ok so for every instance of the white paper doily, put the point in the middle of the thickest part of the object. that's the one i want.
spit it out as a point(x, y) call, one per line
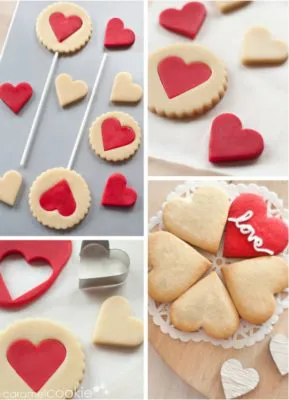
point(247, 334)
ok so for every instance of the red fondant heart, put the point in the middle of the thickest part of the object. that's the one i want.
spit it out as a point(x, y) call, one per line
point(118, 36)
point(177, 77)
point(114, 135)
point(229, 142)
point(63, 27)
point(272, 231)
point(15, 97)
point(59, 197)
point(116, 193)
point(187, 21)
point(36, 364)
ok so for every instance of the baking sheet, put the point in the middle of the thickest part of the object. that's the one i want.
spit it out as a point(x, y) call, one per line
point(25, 59)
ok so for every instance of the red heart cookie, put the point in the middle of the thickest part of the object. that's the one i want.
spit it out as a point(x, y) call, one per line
point(59, 197)
point(250, 232)
point(63, 27)
point(118, 36)
point(229, 142)
point(15, 97)
point(114, 135)
point(177, 77)
point(187, 21)
point(116, 193)
point(36, 364)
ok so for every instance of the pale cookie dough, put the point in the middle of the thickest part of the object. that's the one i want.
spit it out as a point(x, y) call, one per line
point(69, 91)
point(175, 266)
point(65, 380)
point(124, 90)
point(206, 305)
point(74, 42)
point(231, 5)
point(259, 48)
point(10, 185)
point(252, 285)
point(115, 326)
point(199, 220)
point(117, 134)
point(79, 189)
point(193, 101)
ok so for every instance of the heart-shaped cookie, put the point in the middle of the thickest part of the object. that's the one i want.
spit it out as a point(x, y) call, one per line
point(69, 91)
point(59, 197)
point(115, 135)
point(199, 220)
point(115, 326)
point(64, 26)
point(175, 266)
point(206, 305)
point(15, 97)
point(124, 90)
point(116, 35)
point(279, 351)
point(252, 285)
point(10, 185)
point(116, 192)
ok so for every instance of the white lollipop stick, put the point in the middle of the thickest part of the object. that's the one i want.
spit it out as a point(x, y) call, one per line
point(38, 112)
point(86, 114)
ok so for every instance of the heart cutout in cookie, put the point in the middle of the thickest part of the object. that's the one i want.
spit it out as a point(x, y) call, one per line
point(279, 351)
point(187, 21)
point(116, 35)
point(59, 197)
point(124, 90)
point(10, 185)
point(236, 380)
point(114, 135)
point(115, 326)
point(15, 97)
point(116, 192)
point(36, 364)
point(64, 27)
point(69, 91)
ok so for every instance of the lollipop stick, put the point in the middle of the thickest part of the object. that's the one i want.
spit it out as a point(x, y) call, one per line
point(38, 112)
point(86, 114)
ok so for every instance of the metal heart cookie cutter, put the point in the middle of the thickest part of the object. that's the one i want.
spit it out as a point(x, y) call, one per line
point(102, 266)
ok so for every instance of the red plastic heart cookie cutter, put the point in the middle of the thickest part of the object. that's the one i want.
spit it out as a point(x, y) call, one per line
point(15, 97)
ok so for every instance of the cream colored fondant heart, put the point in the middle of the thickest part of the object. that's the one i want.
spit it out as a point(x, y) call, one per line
point(260, 48)
point(199, 220)
point(115, 326)
point(228, 6)
point(10, 185)
point(69, 91)
point(124, 90)
point(279, 352)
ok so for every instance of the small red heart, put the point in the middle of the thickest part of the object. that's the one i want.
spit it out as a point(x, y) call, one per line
point(59, 197)
point(116, 193)
point(177, 77)
point(15, 97)
point(229, 142)
point(118, 36)
point(114, 135)
point(187, 21)
point(36, 364)
point(63, 27)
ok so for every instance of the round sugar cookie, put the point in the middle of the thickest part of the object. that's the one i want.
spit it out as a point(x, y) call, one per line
point(59, 198)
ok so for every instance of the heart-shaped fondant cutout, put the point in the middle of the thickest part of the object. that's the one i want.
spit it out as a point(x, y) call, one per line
point(116, 35)
point(229, 142)
point(36, 364)
point(279, 351)
point(186, 21)
point(59, 197)
point(116, 192)
point(114, 135)
point(10, 185)
point(63, 27)
point(250, 232)
point(15, 97)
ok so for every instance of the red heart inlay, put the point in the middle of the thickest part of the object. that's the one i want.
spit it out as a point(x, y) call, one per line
point(59, 197)
point(63, 27)
point(36, 364)
point(273, 232)
point(116, 193)
point(15, 97)
point(186, 21)
point(118, 36)
point(177, 77)
point(229, 142)
point(115, 135)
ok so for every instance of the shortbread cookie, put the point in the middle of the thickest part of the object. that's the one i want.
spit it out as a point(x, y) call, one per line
point(259, 48)
point(185, 80)
point(15, 97)
point(252, 285)
point(206, 305)
point(10, 185)
point(199, 220)
point(175, 266)
point(115, 326)
point(69, 91)
point(59, 198)
point(115, 136)
point(226, 6)
point(124, 90)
